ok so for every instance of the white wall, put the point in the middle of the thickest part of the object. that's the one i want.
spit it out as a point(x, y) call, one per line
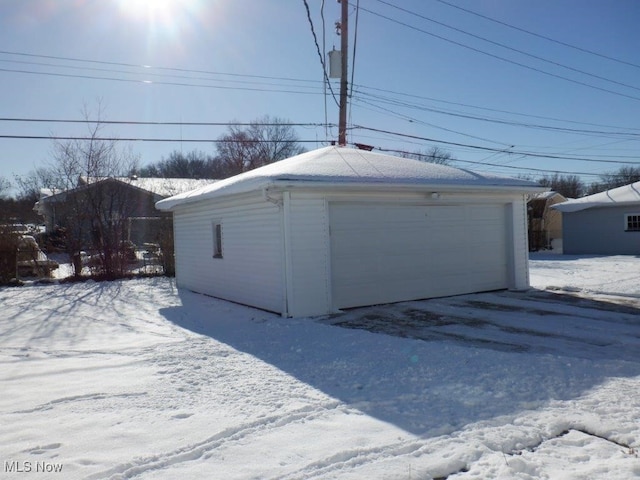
point(520, 245)
point(251, 270)
point(309, 240)
point(308, 243)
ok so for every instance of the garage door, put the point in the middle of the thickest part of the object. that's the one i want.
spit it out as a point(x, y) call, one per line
point(382, 253)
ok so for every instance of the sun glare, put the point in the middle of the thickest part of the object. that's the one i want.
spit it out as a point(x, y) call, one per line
point(146, 8)
point(159, 13)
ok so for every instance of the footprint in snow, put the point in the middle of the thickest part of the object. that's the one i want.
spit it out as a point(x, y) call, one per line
point(180, 416)
point(43, 449)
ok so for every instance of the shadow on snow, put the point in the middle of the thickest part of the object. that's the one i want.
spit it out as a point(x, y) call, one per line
point(431, 367)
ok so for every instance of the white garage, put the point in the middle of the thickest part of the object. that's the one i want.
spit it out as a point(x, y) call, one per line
point(338, 228)
point(383, 253)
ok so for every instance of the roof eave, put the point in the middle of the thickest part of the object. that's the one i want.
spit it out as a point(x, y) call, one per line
point(169, 205)
point(566, 207)
point(405, 186)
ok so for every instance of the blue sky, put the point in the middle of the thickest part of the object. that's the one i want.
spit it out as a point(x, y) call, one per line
point(425, 72)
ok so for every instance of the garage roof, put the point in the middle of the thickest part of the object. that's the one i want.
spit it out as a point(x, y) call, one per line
point(342, 166)
point(625, 195)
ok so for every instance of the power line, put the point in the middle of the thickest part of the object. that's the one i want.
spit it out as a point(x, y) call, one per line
point(357, 127)
point(135, 122)
point(634, 136)
point(555, 119)
point(162, 75)
point(361, 91)
point(150, 82)
point(315, 40)
point(151, 67)
point(421, 122)
point(498, 165)
point(503, 59)
point(355, 44)
point(529, 32)
point(490, 149)
point(502, 45)
point(139, 139)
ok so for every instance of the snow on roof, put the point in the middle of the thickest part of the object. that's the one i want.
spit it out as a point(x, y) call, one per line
point(166, 187)
point(545, 195)
point(163, 187)
point(625, 195)
point(333, 166)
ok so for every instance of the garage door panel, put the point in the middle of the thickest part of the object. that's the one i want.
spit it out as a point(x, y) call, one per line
point(383, 253)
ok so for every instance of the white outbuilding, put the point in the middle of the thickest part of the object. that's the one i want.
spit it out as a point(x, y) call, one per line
point(337, 227)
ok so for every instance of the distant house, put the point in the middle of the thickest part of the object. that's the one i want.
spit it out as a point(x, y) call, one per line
point(606, 223)
point(130, 197)
point(338, 227)
point(545, 223)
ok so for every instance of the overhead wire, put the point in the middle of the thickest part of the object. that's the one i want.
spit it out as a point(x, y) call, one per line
point(466, 105)
point(490, 149)
point(152, 82)
point(147, 67)
point(355, 44)
point(235, 80)
point(502, 45)
point(361, 88)
point(398, 103)
point(529, 32)
point(322, 62)
point(533, 169)
point(498, 57)
point(140, 139)
point(182, 123)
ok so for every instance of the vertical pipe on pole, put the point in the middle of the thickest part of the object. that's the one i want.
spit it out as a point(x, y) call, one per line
point(344, 45)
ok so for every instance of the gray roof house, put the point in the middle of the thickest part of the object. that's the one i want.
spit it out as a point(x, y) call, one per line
point(338, 227)
point(137, 196)
point(606, 223)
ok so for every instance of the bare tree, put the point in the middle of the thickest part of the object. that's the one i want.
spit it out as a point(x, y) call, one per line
point(93, 208)
point(195, 164)
point(569, 186)
point(31, 185)
point(264, 141)
point(434, 154)
point(5, 186)
point(623, 176)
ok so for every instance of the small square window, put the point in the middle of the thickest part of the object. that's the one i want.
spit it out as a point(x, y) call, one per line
point(217, 240)
point(632, 222)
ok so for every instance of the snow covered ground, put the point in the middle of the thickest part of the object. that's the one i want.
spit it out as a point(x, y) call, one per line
point(136, 379)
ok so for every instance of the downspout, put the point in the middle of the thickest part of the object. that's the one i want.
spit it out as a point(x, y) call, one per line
point(286, 244)
point(285, 227)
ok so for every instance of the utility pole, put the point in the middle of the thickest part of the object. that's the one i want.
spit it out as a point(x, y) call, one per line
point(344, 45)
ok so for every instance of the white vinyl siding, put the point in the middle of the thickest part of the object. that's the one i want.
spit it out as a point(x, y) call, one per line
point(250, 271)
point(307, 253)
point(383, 253)
point(518, 244)
point(308, 245)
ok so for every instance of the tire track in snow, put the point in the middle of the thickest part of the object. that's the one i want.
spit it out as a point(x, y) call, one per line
point(227, 436)
point(79, 398)
point(406, 451)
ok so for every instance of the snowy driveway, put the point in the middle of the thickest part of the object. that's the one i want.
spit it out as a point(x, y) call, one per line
point(137, 379)
point(528, 322)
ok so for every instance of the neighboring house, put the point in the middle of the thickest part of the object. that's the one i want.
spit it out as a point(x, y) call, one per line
point(337, 227)
point(130, 197)
point(606, 223)
point(545, 223)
